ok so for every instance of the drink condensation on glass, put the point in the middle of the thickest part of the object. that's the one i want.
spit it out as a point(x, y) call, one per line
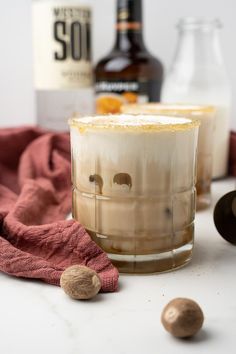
point(134, 187)
point(206, 116)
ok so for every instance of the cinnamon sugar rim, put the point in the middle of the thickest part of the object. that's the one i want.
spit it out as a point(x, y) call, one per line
point(133, 122)
point(167, 108)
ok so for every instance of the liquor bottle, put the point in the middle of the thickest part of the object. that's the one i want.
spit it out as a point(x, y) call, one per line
point(198, 76)
point(129, 74)
point(62, 61)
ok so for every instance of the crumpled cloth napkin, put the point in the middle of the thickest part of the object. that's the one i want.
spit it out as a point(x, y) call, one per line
point(35, 196)
point(232, 154)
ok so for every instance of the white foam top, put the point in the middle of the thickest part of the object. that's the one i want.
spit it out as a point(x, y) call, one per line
point(143, 122)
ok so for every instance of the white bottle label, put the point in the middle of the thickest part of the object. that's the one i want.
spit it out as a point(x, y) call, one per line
point(62, 46)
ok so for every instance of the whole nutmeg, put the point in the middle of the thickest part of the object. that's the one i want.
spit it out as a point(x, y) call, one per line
point(80, 282)
point(182, 317)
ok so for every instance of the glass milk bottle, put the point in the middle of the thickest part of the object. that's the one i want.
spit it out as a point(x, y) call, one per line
point(62, 60)
point(198, 76)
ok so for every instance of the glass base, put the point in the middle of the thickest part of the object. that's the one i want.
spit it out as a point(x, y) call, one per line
point(203, 193)
point(154, 263)
point(203, 201)
point(149, 262)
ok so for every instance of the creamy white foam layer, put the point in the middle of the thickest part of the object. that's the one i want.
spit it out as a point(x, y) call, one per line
point(157, 161)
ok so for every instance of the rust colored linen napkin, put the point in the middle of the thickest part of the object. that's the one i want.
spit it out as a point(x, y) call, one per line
point(232, 154)
point(35, 196)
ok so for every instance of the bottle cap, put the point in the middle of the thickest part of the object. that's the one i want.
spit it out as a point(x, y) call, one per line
point(129, 11)
point(225, 217)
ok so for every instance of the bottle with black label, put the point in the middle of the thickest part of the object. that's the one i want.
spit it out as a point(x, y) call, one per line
point(129, 74)
point(62, 61)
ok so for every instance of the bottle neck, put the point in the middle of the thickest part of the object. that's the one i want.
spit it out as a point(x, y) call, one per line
point(199, 47)
point(129, 34)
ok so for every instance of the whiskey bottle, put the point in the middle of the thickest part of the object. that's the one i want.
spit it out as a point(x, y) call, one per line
point(62, 61)
point(129, 74)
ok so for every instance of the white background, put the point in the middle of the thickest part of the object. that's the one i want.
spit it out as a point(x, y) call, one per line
point(17, 104)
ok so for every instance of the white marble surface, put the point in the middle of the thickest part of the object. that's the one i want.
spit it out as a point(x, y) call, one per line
point(36, 318)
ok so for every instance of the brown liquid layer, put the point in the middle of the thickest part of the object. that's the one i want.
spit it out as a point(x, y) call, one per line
point(155, 266)
point(146, 245)
point(165, 259)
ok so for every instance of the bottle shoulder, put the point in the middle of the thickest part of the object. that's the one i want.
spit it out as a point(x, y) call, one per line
point(118, 61)
point(132, 56)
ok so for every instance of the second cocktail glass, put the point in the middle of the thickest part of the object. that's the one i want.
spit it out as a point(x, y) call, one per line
point(206, 116)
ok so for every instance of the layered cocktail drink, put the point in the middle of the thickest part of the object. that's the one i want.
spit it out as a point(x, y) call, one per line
point(134, 187)
point(206, 115)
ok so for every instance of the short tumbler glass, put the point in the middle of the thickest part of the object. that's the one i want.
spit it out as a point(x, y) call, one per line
point(134, 187)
